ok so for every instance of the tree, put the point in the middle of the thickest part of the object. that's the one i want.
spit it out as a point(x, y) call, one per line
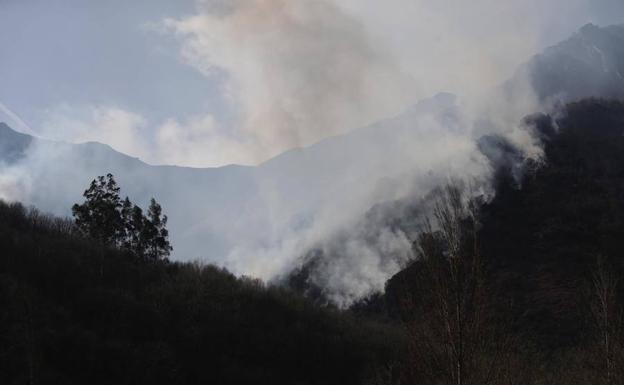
point(607, 315)
point(105, 217)
point(452, 340)
point(126, 217)
point(134, 228)
point(155, 233)
point(99, 217)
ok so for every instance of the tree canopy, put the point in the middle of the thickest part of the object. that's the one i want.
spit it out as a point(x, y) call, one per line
point(105, 217)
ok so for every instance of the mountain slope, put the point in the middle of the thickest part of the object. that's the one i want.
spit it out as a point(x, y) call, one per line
point(542, 239)
point(589, 64)
point(262, 220)
point(76, 312)
point(13, 145)
point(255, 220)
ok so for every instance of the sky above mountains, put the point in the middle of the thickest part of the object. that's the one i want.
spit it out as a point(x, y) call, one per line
point(213, 82)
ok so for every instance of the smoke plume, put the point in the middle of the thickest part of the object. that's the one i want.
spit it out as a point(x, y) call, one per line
point(312, 77)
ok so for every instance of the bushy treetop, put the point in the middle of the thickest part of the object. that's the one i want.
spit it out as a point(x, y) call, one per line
point(104, 216)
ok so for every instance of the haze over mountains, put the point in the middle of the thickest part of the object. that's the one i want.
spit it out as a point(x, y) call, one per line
point(591, 63)
point(263, 220)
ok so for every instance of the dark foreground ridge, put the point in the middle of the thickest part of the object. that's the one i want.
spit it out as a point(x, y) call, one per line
point(552, 246)
point(77, 313)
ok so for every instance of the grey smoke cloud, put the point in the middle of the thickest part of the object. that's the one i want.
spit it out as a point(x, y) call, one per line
point(276, 74)
point(296, 72)
point(300, 71)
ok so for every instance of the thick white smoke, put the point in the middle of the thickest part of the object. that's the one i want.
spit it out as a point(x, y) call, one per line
point(298, 72)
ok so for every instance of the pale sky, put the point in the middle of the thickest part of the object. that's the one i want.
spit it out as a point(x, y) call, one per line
point(212, 82)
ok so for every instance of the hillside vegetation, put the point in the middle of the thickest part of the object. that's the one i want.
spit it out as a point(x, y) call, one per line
point(77, 312)
point(523, 288)
point(547, 305)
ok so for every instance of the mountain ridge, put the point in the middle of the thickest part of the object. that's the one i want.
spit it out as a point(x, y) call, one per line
point(263, 219)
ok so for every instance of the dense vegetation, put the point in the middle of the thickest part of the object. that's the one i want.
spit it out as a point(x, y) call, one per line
point(521, 289)
point(109, 220)
point(549, 303)
point(77, 312)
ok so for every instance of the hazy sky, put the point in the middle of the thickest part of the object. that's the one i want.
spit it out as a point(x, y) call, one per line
point(206, 83)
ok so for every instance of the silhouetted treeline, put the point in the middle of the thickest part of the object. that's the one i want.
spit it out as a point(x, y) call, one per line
point(523, 289)
point(106, 218)
point(75, 312)
point(544, 237)
point(548, 304)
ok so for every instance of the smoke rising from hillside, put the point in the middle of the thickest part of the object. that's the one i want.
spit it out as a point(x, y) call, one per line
point(297, 72)
point(302, 71)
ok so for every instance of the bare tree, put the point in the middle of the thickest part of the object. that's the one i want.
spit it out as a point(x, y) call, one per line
point(607, 316)
point(451, 340)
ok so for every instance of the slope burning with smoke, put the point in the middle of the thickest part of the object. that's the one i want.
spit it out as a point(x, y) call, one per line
point(305, 80)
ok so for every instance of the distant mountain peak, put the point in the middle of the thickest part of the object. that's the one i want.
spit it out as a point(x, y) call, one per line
point(13, 144)
point(5, 129)
point(588, 28)
point(437, 104)
point(588, 64)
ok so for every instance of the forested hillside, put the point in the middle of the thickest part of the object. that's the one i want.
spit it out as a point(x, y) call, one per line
point(549, 298)
point(546, 238)
point(77, 312)
point(523, 288)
